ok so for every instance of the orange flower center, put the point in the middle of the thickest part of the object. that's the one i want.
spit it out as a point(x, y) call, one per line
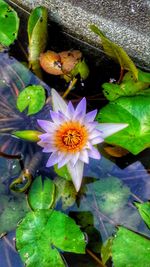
point(71, 137)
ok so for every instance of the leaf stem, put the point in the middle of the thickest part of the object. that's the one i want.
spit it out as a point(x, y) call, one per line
point(121, 75)
point(71, 85)
point(95, 258)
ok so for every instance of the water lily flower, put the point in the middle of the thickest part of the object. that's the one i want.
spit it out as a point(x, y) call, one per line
point(71, 136)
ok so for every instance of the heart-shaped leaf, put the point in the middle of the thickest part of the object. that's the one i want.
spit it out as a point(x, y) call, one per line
point(144, 210)
point(130, 249)
point(32, 97)
point(116, 52)
point(136, 112)
point(42, 234)
point(41, 194)
point(9, 24)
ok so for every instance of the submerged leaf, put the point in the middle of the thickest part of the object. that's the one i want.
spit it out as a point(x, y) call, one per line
point(130, 249)
point(32, 97)
point(144, 210)
point(9, 24)
point(12, 209)
point(136, 112)
point(42, 234)
point(111, 194)
point(41, 194)
point(116, 52)
point(37, 35)
point(65, 191)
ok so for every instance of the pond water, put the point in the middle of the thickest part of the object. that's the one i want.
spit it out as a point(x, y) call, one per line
point(110, 185)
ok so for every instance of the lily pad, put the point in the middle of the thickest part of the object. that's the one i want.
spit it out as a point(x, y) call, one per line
point(9, 24)
point(144, 210)
point(136, 112)
point(106, 252)
point(116, 52)
point(42, 234)
point(128, 87)
point(111, 194)
point(41, 194)
point(32, 97)
point(130, 249)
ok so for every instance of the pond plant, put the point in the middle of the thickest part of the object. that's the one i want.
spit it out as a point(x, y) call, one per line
point(67, 189)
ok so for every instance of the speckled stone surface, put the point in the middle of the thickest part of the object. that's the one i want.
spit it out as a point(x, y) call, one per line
point(126, 22)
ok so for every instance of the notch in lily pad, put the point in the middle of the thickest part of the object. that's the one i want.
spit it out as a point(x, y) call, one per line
point(32, 97)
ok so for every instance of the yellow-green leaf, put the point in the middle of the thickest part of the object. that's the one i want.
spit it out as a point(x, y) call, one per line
point(37, 35)
point(116, 52)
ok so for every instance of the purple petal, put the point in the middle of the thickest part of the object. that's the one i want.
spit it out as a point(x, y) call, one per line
point(80, 109)
point(84, 156)
point(90, 116)
point(91, 126)
point(49, 148)
point(47, 126)
point(46, 137)
point(97, 140)
point(53, 159)
point(58, 103)
point(94, 133)
point(110, 128)
point(76, 173)
point(64, 160)
point(94, 153)
point(70, 110)
point(75, 158)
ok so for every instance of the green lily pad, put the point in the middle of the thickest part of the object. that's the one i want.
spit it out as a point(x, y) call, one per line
point(42, 234)
point(130, 249)
point(37, 35)
point(144, 210)
point(111, 194)
point(41, 194)
point(116, 52)
point(32, 97)
point(9, 24)
point(128, 87)
point(63, 172)
point(136, 112)
point(82, 69)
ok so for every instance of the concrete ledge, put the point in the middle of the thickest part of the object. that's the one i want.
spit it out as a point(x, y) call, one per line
point(126, 22)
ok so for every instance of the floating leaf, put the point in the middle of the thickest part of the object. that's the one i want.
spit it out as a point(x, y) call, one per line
point(9, 24)
point(41, 194)
point(116, 52)
point(130, 249)
point(106, 252)
point(128, 87)
point(144, 210)
point(65, 191)
point(143, 76)
point(63, 172)
point(37, 35)
point(111, 194)
point(32, 97)
point(136, 112)
point(42, 234)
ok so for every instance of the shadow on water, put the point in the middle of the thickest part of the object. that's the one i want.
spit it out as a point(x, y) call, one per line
point(110, 187)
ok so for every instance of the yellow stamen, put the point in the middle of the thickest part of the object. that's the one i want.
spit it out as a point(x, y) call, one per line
point(71, 137)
